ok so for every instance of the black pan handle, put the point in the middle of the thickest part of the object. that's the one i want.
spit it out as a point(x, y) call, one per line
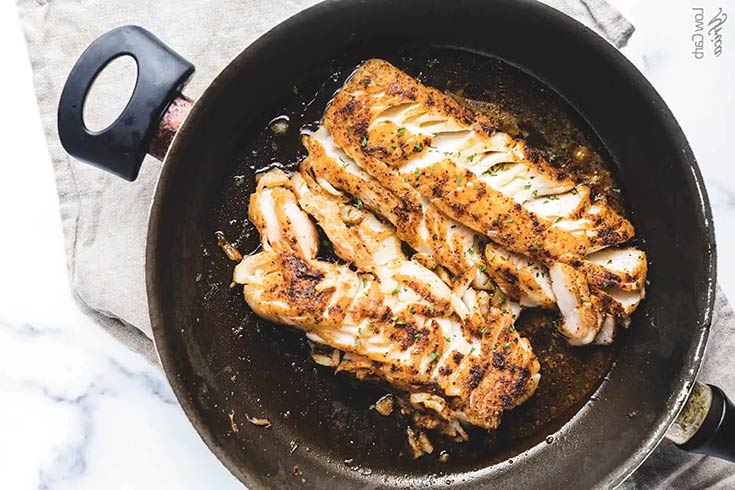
point(121, 147)
point(706, 425)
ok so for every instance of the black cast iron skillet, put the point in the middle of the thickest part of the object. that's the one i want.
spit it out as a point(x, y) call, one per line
point(220, 362)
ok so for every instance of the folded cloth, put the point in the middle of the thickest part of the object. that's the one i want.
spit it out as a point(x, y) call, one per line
point(105, 219)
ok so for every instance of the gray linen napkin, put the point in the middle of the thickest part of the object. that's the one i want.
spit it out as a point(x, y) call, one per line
point(105, 219)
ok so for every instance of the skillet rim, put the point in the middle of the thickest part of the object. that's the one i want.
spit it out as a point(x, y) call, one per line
point(690, 369)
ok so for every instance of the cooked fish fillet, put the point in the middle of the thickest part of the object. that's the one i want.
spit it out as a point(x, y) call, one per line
point(616, 306)
point(625, 268)
point(609, 299)
point(579, 308)
point(520, 276)
point(437, 239)
point(590, 315)
point(397, 128)
point(449, 243)
point(413, 139)
point(606, 335)
point(360, 238)
point(400, 322)
point(356, 235)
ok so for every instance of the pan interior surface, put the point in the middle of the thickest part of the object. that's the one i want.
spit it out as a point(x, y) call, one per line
point(227, 365)
point(331, 411)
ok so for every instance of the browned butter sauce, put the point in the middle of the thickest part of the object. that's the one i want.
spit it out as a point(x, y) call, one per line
point(337, 405)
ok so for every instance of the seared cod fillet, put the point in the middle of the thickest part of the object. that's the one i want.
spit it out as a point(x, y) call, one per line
point(397, 128)
point(439, 240)
point(394, 318)
point(425, 148)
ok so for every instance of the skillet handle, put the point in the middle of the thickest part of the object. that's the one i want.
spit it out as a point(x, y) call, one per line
point(121, 147)
point(706, 425)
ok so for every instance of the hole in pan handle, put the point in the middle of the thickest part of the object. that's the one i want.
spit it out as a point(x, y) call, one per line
point(121, 147)
point(706, 424)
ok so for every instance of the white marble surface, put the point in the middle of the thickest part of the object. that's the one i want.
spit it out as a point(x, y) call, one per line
point(79, 411)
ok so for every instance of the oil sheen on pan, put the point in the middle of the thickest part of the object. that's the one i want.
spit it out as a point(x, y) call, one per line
point(332, 411)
